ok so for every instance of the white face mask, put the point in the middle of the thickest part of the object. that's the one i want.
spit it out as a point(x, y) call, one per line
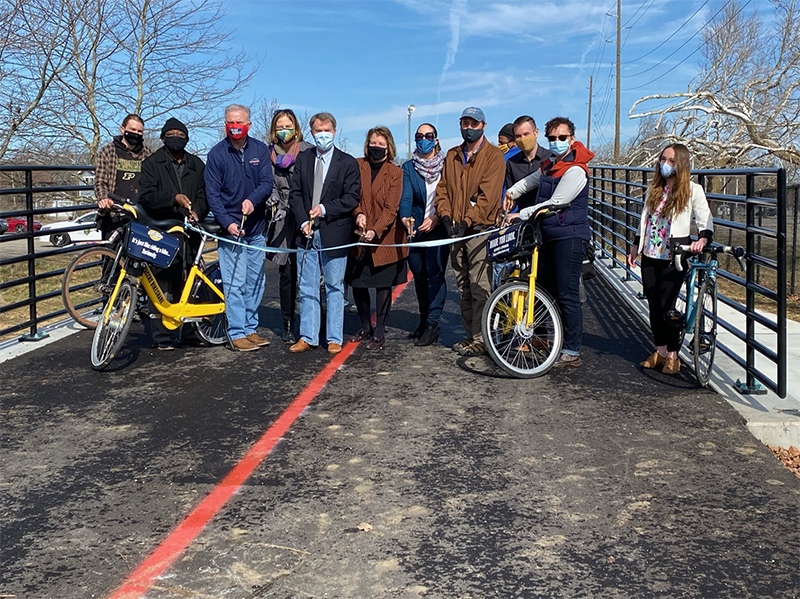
point(667, 170)
point(324, 140)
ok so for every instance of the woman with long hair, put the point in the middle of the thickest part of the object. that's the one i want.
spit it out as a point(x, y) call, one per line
point(671, 200)
point(380, 266)
point(421, 175)
point(286, 142)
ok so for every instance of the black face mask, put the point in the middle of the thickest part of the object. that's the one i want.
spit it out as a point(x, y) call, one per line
point(376, 154)
point(175, 143)
point(471, 135)
point(135, 140)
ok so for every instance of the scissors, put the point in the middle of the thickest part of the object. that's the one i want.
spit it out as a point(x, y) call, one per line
point(241, 227)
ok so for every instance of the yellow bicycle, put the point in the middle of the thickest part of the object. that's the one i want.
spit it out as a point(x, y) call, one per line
point(149, 244)
point(521, 323)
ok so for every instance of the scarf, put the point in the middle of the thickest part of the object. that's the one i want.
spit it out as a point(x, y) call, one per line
point(283, 159)
point(429, 169)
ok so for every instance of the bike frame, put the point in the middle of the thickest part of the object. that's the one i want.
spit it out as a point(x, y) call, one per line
point(709, 269)
point(173, 315)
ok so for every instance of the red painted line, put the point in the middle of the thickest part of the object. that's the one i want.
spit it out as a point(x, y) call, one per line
point(154, 565)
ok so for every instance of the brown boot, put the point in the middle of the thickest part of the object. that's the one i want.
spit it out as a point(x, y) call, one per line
point(654, 361)
point(671, 366)
point(301, 346)
point(244, 344)
point(257, 339)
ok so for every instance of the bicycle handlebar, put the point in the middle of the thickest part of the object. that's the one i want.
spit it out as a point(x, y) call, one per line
point(736, 251)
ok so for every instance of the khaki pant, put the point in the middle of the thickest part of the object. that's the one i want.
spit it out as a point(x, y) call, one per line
point(473, 276)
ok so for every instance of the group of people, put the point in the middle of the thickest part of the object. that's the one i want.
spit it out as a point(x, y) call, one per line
point(307, 201)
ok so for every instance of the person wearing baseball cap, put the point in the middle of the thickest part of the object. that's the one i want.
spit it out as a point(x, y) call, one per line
point(468, 202)
point(171, 186)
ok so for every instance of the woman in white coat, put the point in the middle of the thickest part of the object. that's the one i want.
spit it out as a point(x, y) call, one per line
point(671, 200)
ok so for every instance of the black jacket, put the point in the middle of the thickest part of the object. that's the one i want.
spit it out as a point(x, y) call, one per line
point(158, 186)
point(341, 193)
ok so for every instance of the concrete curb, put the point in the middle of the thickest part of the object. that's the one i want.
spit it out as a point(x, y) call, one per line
point(771, 419)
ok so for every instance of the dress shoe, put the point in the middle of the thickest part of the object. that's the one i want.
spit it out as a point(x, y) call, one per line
point(653, 361)
point(417, 333)
point(244, 344)
point(375, 344)
point(301, 346)
point(429, 336)
point(334, 348)
point(671, 366)
point(288, 334)
point(361, 335)
point(257, 339)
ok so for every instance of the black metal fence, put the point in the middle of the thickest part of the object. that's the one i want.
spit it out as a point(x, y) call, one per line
point(759, 197)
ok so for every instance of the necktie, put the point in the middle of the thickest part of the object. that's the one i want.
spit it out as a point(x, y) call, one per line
point(316, 196)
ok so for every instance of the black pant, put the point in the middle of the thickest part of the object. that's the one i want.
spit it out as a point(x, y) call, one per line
point(661, 282)
point(560, 267)
point(288, 288)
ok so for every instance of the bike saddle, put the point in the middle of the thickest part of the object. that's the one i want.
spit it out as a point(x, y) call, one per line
point(210, 226)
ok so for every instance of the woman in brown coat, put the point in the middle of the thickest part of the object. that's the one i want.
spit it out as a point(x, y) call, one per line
point(379, 267)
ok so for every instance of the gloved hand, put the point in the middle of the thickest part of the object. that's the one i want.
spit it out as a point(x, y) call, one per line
point(448, 225)
point(461, 229)
point(280, 214)
point(271, 201)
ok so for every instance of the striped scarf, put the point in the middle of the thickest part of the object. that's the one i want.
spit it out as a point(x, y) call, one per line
point(430, 169)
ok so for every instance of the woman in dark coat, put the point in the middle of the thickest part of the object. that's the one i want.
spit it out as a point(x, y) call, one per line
point(286, 141)
point(378, 267)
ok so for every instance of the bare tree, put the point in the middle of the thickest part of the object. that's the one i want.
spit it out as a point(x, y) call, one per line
point(262, 116)
point(743, 108)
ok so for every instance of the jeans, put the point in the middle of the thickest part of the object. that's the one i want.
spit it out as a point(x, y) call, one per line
point(560, 266)
point(428, 266)
point(309, 266)
point(243, 278)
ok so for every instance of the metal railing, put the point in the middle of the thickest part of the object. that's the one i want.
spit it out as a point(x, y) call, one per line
point(616, 201)
point(20, 198)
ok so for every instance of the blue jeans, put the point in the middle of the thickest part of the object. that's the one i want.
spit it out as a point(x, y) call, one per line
point(560, 266)
point(428, 266)
point(309, 266)
point(243, 278)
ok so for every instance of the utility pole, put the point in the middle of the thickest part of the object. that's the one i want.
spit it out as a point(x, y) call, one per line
point(589, 118)
point(616, 124)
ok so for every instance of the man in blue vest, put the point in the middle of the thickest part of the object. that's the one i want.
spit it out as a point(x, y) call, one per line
point(563, 183)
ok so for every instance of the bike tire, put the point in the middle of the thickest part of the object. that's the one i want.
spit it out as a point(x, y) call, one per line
point(110, 334)
point(704, 344)
point(213, 329)
point(519, 351)
point(84, 288)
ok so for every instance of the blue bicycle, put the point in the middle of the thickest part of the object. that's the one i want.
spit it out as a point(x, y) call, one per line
point(696, 311)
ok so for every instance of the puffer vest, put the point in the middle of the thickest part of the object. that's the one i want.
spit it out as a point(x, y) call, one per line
point(571, 222)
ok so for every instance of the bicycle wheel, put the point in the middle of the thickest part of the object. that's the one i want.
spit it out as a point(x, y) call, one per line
point(110, 333)
point(85, 286)
point(704, 343)
point(212, 329)
point(522, 351)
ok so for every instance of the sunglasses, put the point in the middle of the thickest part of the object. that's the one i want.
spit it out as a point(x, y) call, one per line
point(420, 136)
point(557, 137)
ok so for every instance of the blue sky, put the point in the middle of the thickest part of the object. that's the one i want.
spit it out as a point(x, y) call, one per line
point(365, 61)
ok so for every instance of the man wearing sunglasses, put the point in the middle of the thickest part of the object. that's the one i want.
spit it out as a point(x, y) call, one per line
point(563, 184)
point(467, 201)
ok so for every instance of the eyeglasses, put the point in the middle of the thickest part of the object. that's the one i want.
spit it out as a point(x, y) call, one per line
point(557, 137)
point(429, 136)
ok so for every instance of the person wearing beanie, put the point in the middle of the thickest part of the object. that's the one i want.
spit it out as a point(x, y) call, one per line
point(172, 186)
point(506, 142)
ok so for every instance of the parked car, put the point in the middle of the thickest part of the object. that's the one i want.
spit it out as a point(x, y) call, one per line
point(3, 225)
point(89, 232)
point(20, 224)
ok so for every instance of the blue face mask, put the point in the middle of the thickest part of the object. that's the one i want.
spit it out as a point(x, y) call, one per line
point(667, 170)
point(559, 147)
point(425, 146)
point(324, 140)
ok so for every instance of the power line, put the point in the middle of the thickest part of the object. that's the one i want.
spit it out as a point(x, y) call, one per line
point(696, 33)
point(691, 54)
point(674, 33)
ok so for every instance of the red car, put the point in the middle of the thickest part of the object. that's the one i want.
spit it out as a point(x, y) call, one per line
point(20, 225)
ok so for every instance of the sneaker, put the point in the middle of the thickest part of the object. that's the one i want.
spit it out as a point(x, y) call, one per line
point(165, 346)
point(476, 348)
point(257, 339)
point(244, 344)
point(461, 346)
point(565, 360)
